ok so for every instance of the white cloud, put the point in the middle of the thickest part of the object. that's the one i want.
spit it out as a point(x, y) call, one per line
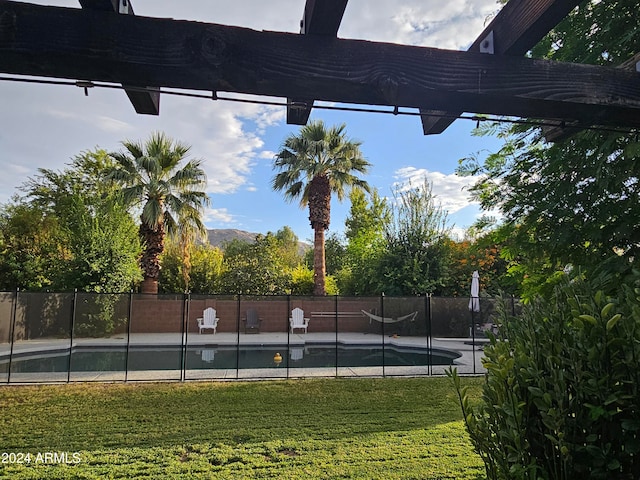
point(268, 154)
point(219, 137)
point(268, 116)
point(105, 123)
point(450, 189)
point(218, 215)
point(453, 24)
point(109, 124)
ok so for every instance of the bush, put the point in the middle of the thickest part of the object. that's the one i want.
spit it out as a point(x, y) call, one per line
point(561, 396)
point(302, 280)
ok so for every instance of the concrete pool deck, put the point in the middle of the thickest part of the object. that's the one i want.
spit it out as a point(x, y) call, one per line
point(469, 362)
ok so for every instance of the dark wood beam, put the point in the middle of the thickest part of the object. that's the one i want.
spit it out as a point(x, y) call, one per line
point(563, 130)
point(102, 5)
point(298, 111)
point(80, 44)
point(322, 18)
point(144, 101)
point(514, 31)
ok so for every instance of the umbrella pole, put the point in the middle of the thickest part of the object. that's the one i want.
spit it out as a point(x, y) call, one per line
point(473, 338)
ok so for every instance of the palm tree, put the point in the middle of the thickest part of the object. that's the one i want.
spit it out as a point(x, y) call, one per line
point(313, 165)
point(190, 229)
point(153, 177)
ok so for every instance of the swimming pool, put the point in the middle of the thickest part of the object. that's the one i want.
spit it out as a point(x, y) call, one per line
point(202, 357)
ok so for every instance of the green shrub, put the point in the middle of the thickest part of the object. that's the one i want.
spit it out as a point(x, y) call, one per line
point(302, 282)
point(561, 396)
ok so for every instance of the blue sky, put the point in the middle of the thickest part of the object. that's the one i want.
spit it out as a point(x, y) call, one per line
point(45, 126)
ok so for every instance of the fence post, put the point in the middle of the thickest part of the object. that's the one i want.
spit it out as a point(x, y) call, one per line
point(12, 330)
point(238, 340)
point(288, 357)
point(383, 333)
point(186, 302)
point(427, 325)
point(335, 311)
point(126, 357)
point(71, 326)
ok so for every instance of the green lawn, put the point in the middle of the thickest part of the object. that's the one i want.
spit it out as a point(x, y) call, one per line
point(329, 428)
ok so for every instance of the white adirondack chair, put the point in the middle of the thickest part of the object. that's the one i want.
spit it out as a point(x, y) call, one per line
point(297, 320)
point(208, 320)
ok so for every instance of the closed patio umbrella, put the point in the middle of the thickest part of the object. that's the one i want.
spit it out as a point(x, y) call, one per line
point(474, 301)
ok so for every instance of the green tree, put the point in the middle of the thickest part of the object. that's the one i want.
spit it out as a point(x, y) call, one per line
point(91, 238)
point(371, 214)
point(153, 177)
point(365, 226)
point(416, 257)
point(101, 235)
point(302, 282)
point(574, 201)
point(255, 268)
point(104, 248)
point(32, 247)
point(289, 246)
point(313, 165)
point(205, 269)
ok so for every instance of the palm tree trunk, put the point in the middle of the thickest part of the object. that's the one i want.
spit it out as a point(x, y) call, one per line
point(149, 285)
point(319, 216)
point(319, 267)
point(153, 241)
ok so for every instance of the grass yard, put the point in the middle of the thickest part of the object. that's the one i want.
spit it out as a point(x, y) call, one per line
point(330, 428)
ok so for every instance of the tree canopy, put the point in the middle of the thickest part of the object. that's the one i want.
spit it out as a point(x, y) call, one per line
point(69, 230)
point(574, 201)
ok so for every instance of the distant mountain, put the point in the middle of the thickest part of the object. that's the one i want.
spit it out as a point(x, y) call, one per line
point(219, 236)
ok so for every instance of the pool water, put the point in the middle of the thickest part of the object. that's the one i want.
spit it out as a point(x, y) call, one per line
point(225, 357)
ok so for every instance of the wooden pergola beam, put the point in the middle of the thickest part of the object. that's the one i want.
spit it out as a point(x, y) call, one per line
point(80, 44)
point(514, 31)
point(145, 101)
point(321, 18)
point(103, 5)
point(563, 130)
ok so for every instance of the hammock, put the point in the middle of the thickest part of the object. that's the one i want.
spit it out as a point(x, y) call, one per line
point(411, 317)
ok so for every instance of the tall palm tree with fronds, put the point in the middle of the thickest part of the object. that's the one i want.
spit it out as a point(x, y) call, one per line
point(170, 192)
point(312, 165)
